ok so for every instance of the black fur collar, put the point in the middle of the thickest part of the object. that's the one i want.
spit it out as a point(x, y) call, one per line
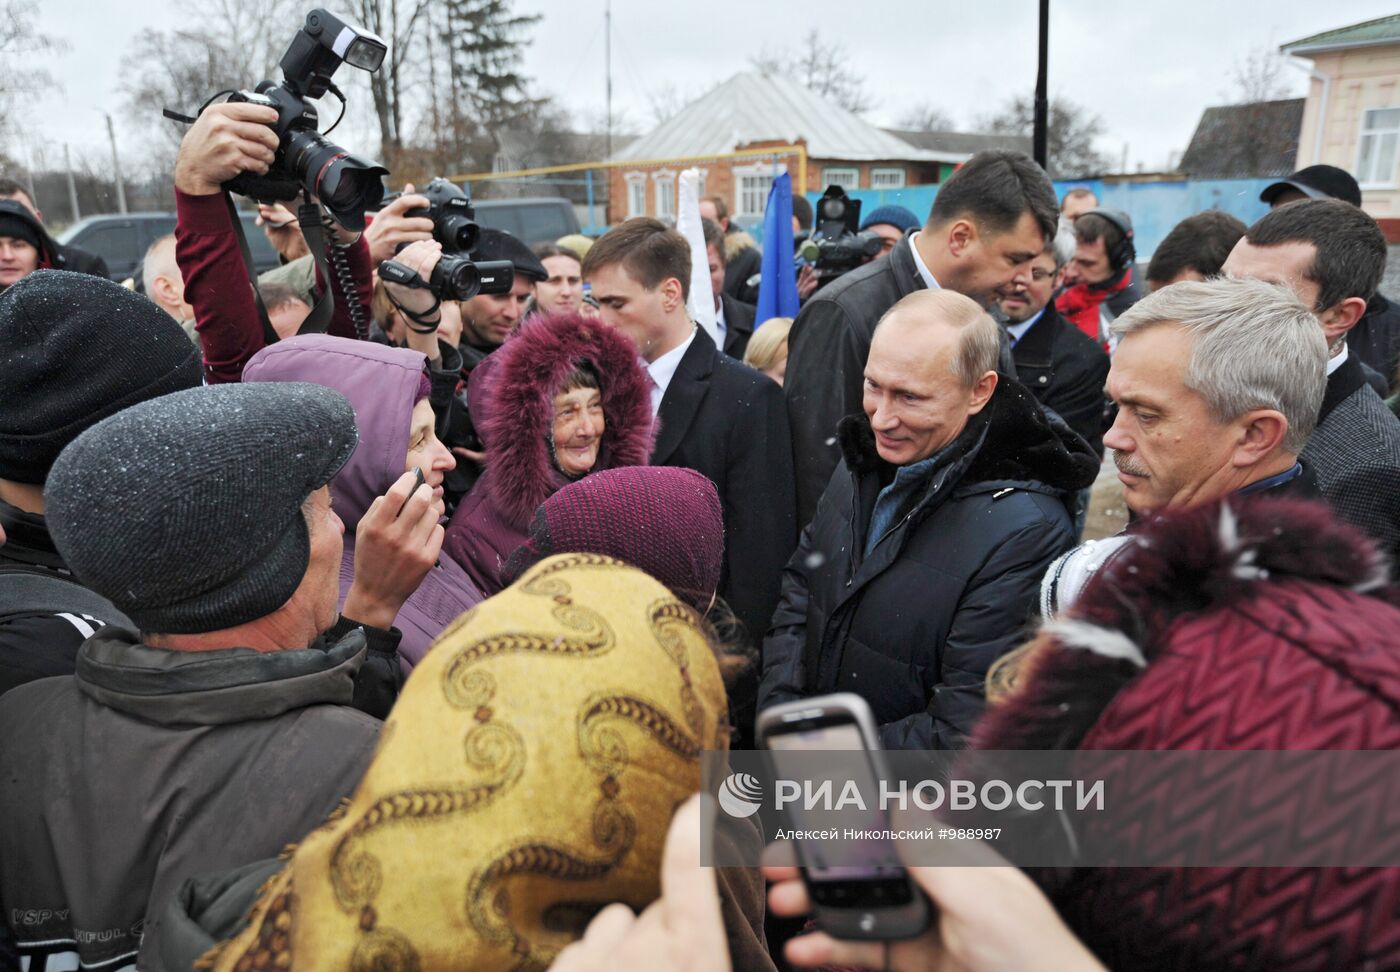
point(1018, 441)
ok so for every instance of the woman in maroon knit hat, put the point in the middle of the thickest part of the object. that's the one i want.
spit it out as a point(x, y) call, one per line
point(567, 397)
point(1239, 625)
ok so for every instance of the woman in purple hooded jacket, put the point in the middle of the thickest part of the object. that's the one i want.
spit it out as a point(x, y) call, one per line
point(566, 396)
point(388, 389)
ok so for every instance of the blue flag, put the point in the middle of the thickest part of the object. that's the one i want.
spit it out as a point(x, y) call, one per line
point(777, 288)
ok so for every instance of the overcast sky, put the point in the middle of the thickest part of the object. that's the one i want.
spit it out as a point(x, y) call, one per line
point(1146, 68)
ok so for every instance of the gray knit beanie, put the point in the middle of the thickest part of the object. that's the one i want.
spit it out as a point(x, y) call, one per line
point(186, 511)
point(75, 349)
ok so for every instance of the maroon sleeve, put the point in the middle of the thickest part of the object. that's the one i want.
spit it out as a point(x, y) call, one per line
point(357, 257)
point(216, 286)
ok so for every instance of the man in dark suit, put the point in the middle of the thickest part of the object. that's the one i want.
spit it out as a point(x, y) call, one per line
point(1332, 254)
point(1063, 367)
point(717, 416)
point(733, 317)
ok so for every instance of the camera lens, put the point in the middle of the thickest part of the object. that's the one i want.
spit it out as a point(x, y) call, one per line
point(455, 232)
point(345, 184)
point(455, 278)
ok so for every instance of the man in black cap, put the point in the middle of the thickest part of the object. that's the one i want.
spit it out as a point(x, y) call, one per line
point(69, 257)
point(1375, 340)
point(74, 349)
point(24, 246)
point(1314, 182)
point(488, 319)
point(224, 729)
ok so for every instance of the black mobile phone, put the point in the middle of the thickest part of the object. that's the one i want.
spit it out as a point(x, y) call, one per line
point(858, 887)
point(417, 481)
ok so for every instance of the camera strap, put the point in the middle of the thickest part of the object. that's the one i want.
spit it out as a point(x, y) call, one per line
point(269, 335)
point(309, 218)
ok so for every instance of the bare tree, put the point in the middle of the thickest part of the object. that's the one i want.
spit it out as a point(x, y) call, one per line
point(1261, 75)
point(20, 42)
point(399, 23)
point(924, 116)
point(1070, 134)
point(667, 99)
point(821, 66)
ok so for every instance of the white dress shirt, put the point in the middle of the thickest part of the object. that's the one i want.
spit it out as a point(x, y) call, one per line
point(663, 369)
point(1334, 363)
point(924, 271)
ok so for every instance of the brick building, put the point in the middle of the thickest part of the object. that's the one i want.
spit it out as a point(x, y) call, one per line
point(754, 111)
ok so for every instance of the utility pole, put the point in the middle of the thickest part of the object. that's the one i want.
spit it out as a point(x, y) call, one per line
point(72, 186)
point(607, 62)
point(1042, 101)
point(116, 165)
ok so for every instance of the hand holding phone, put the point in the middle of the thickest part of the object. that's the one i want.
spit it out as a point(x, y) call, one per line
point(858, 889)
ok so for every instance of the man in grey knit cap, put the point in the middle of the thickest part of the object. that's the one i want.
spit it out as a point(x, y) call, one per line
point(225, 729)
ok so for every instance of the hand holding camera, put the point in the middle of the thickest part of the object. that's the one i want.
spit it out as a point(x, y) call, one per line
point(224, 142)
point(407, 281)
point(394, 227)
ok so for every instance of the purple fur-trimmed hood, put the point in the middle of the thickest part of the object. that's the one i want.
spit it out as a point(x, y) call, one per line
point(529, 370)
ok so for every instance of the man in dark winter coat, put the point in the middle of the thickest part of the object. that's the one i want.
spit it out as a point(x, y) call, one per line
point(989, 221)
point(717, 416)
point(1063, 367)
point(68, 257)
point(1332, 255)
point(74, 349)
point(224, 729)
point(922, 564)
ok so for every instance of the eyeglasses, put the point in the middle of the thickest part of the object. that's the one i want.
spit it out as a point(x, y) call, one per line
point(1040, 276)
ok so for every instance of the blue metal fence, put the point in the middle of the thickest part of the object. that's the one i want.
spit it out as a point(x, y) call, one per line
point(1155, 207)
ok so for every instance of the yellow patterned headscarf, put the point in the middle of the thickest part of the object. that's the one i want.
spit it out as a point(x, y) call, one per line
point(525, 778)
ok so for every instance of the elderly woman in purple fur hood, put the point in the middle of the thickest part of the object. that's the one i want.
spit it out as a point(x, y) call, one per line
point(566, 396)
point(388, 389)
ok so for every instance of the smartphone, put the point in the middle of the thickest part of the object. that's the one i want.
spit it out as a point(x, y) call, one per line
point(417, 481)
point(858, 888)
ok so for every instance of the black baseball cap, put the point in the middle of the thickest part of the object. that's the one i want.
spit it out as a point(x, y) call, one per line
point(1317, 182)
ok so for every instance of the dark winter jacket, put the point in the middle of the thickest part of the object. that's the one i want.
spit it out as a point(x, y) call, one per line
point(827, 348)
point(738, 325)
point(44, 613)
point(81, 261)
point(1355, 454)
point(1065, 370)
point(382, 385)
point(914, 626)
point(149, 767)
point(526, 373)
point(1241, 624)
point(1375, 339)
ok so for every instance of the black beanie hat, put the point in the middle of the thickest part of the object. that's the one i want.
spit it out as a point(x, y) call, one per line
point(74, 349)
point(186, 511)
point(494, 244)
point(19, 229)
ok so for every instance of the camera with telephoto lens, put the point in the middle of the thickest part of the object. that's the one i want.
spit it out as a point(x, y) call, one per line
point(346, 184)
point(454, 220)
point(837, 245)
point(455, 277)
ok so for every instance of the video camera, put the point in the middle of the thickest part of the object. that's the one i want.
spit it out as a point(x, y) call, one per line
point(837, 245)
point(346, 184)
point(455, 277)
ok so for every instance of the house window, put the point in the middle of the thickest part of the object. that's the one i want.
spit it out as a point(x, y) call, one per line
point(1380, 133)
point(665, 195)
point(846, 178)
point(636, 194)
point(752, 197)
point(887, 178)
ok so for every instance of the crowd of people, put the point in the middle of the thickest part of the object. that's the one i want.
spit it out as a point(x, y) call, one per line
point(392, 638)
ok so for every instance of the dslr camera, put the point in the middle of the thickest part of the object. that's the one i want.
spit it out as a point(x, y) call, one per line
point(346, 184)
point(837, 245)
point(456, 276)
